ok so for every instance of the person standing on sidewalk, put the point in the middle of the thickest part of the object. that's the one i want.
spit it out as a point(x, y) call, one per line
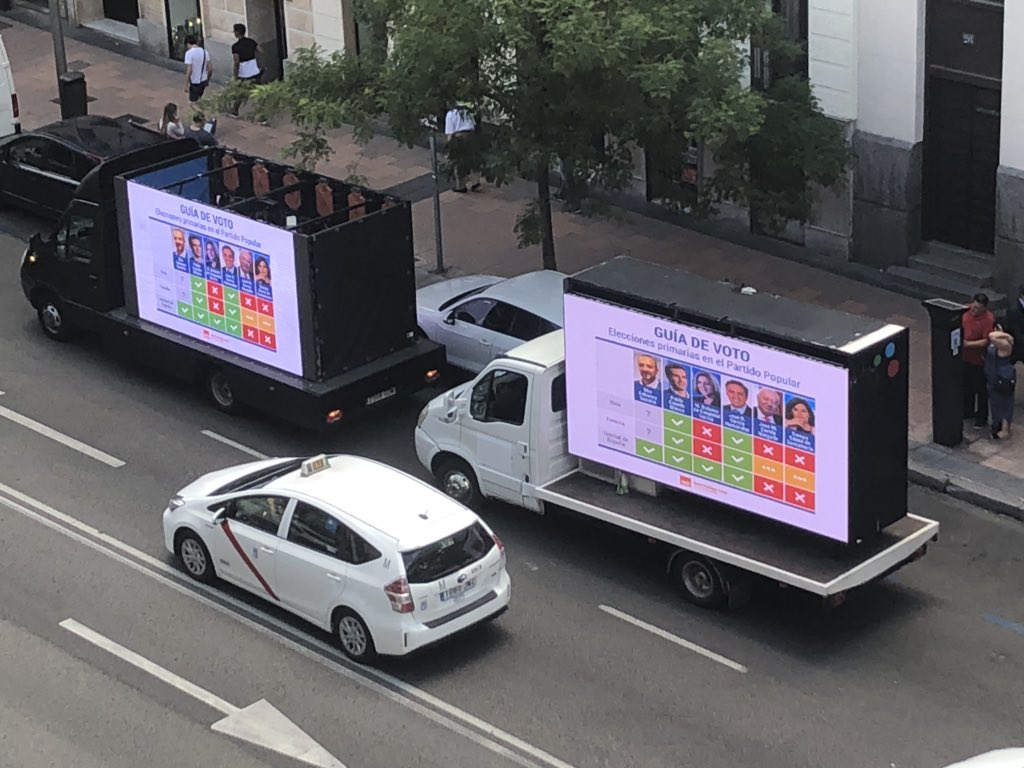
point(198, 69)
point(978, 322)
point(244, 55)
point(1001, 377)
point(463, 150)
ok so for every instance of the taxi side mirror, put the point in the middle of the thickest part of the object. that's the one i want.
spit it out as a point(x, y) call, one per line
point(219, 516)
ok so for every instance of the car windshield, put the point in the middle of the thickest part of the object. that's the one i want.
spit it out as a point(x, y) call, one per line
point(450, 554)
point(261, 477)
point(461, 296)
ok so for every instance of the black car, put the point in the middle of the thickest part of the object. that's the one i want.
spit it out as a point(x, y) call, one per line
point(40, 169)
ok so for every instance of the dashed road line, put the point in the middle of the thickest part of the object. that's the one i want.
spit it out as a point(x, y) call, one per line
point(60, 437)
point(234, 444)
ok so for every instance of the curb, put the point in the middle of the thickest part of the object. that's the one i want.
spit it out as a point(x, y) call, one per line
point(963, 488)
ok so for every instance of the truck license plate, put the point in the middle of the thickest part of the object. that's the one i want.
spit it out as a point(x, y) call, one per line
point(390, 392)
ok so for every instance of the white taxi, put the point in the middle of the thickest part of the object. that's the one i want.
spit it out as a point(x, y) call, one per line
point(382, 560)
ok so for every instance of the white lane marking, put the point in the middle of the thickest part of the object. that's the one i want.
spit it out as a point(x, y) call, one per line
point(261, 723)
point(666, 635)
point(391, 688)
point(236, 445)
point(175, 681)
point(60, 437)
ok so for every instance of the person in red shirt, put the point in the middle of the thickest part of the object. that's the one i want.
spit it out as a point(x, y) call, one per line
point(978, 322)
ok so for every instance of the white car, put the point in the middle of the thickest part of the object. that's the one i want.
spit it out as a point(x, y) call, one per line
point(385, 562)
point(480, 317)
point(1012, 757)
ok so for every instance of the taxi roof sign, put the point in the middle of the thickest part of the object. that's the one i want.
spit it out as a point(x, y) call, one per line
point(313, 465)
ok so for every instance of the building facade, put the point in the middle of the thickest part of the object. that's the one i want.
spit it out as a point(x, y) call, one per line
point(160, 26)
point(933, 103)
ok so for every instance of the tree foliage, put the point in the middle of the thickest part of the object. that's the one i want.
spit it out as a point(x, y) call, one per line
point(576, 85)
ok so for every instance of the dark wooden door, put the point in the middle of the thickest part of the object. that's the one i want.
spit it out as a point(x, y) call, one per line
point(961, 159)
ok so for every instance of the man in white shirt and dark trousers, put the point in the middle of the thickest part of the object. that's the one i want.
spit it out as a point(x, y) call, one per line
point(463, 150)
point(244, 53)
point(198, 69)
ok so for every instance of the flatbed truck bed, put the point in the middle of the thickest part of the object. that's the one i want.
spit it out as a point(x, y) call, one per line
point(754, 546)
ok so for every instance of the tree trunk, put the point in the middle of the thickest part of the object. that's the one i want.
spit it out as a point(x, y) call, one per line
point(547, 232)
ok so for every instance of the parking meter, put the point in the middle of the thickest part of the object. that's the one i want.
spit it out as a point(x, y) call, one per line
point(947, 371)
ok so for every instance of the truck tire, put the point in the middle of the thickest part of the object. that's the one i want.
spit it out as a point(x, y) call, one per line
point(699, 580)
point(457, 479)
point(52, 318)
point(218, 389)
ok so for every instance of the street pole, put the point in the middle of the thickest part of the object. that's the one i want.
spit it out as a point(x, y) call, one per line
point(57, 30)
point(440, 270)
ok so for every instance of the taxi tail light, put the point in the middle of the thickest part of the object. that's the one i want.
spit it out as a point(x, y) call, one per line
point(501, 548)
point(334, 416)
point(400, 596)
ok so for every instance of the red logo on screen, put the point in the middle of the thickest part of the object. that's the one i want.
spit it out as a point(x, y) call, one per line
point(685, 481)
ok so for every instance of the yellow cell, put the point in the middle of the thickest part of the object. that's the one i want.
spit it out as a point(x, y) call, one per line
point(249, 317)
point(266, 324)
point(800, 478)
point(768, 468)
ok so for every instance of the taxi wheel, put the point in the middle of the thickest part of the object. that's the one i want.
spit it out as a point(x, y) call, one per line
point(458, 481)
point(353, 636)
point(195, 558)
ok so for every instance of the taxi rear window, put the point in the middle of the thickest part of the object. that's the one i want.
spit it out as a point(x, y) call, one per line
point(448, 555)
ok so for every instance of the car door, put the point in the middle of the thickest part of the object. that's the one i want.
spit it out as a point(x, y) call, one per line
point(311, 576)
point(76, 242)
point(496, 431)
point(248, 542)
point(462, 334)
point(41, 173)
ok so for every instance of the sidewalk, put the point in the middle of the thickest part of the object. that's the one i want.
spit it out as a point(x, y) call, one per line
point(478, 238)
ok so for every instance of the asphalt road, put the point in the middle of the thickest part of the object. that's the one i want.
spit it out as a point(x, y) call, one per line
point(918, 671)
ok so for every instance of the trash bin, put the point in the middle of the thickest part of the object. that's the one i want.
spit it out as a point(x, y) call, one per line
point(947, 371)
point(73, 96)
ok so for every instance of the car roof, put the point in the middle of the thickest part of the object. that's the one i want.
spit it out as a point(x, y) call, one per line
point(545, 351)
point(100, 136)
point(537, 292)
point(382, 497)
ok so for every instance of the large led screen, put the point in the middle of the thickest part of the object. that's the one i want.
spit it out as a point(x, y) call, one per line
point(740, 423)
point(216, 276)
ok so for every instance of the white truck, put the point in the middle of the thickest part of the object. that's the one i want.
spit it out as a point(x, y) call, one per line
point(505, 435)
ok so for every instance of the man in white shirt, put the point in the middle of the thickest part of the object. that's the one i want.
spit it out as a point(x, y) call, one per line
point(460, 130)
point(198, 69)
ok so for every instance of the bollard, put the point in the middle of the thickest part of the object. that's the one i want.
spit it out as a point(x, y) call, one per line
point(74, 101)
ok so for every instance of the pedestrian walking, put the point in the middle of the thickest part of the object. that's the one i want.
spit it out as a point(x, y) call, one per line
point(168, 124)
point(245, 60)
point(460, 129)
point(1001, 379)
point(977, 322)
point(198, 69)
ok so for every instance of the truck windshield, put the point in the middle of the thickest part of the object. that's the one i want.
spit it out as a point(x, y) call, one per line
point(448, 555)
point(261, 477)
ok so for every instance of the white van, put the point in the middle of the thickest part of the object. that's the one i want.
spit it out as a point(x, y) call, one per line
point(9, 122)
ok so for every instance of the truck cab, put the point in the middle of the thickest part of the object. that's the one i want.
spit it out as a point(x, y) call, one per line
point(505, 432)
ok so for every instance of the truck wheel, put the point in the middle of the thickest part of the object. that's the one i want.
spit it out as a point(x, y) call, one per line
point(52, 319)
point(458, 481)
point(699, 579)
point(219, 389)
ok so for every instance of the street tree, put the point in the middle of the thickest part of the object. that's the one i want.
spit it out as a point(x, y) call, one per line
point(575, 86)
